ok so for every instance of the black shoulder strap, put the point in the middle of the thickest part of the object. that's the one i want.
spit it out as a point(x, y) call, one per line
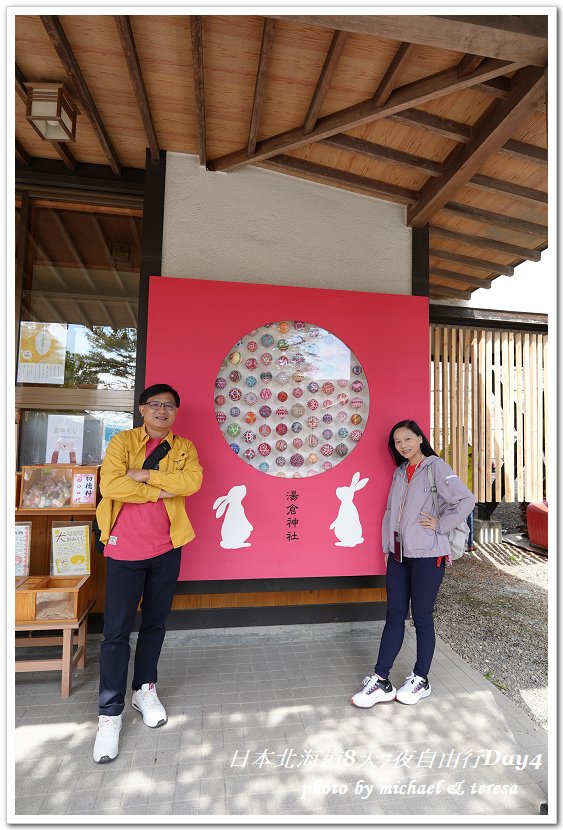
point(153, 460)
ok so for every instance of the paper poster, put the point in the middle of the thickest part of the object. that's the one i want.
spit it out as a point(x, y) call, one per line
point(83, 489)
point(65, 436)
point(42, 353)
point(70, 549)
point(22, 545)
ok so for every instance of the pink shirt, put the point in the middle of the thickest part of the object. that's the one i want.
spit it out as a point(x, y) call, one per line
point(141, 531)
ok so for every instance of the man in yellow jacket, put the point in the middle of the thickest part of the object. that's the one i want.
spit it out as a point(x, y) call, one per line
point(143, 525)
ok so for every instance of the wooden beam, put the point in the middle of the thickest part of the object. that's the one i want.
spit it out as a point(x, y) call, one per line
point(492, 131)
point(80, 311)
point(72, 69)
point(422, 120)
point(481, 241)
point(500, 88)
point(444, 291)
point(50, 265)
point(518, 149)
point(331, 62)
point(72, 248)
point(515, 191)
point(463, 133)
point(21, 88)
point(106, 252)
point(510, 222)
point(380, 153)
point(521, 38)
point(392, 75)
point(469, 64)
point(473, 262)
point(261, 77)
point(123, 24)
point(105, 310)
point(196, 26)
point(454, 275)
point(334, 176)
point(22, 156)
point(56, 314)
point(63, 150)
point(418, 92)
point(132, 316)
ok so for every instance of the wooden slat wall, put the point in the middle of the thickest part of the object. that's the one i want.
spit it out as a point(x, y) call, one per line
point(489, 392)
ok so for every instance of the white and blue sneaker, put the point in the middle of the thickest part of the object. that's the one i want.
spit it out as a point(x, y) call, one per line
point(375, 691)
point(414, 689)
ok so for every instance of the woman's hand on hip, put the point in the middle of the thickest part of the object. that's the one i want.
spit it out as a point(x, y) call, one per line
point(426, 520)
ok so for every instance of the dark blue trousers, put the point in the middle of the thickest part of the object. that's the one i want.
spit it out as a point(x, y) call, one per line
point(155, 580)
point(414, 581)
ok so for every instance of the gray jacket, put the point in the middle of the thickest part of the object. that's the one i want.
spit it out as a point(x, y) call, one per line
point(455, 502)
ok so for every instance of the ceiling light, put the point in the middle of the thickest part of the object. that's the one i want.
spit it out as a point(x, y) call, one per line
point(50, 111)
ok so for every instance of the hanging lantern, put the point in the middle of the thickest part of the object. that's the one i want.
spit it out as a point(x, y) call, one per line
point(50, 111)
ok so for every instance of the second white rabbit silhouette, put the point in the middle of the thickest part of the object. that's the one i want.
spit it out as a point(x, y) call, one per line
point(347, 526)
point(236, 528)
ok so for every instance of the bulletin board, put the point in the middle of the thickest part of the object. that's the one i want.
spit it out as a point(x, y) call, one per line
point(293, 447)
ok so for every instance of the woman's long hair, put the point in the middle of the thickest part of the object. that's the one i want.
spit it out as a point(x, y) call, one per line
point(425, 447)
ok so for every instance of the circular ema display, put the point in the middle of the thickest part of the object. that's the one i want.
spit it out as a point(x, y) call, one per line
point(317, 394)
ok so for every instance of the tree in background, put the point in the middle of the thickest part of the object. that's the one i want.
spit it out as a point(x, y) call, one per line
point(110, 362)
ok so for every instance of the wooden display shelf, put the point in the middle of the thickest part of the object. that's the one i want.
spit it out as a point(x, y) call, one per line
point(69, 659)
point(77, 589)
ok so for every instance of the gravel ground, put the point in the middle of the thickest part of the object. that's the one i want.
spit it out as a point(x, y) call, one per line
point(492, 610)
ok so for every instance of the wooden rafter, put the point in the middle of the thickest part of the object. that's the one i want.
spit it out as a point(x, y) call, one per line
point(489, 135)
point(331, 62)
point(529, 152)
point(21, 88)
point(516, 191)
point(72, 247)
point(418, 92)
point(196, 26)
point(469, 64)
point(53, 311)
point(485, 242)
point(22, 156)
point(500, 88)
point(521, 38)
point(105, 310)
point(63, 150)
point(72, 69)
point(261, 77)
point(50, 265)
point(472, 262)
point(392, 75)
point(422, 120)
point(463, 133)
point(487, 216)
point(131, 56)
point(106, 252)
point(454, 275)
point(378, 152)
point(334, 176)
point(445, 291)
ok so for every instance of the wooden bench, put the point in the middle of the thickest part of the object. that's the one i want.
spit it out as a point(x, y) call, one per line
point(68, 639)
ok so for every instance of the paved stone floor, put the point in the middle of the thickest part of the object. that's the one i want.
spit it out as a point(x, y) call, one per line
point(260, 723)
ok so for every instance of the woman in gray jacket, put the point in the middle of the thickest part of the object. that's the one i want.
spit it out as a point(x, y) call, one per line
point(416, 550)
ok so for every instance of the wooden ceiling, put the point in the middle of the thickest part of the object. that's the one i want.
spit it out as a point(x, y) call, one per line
point(445, 115)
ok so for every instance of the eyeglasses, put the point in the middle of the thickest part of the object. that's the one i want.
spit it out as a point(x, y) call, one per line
point(160, 404)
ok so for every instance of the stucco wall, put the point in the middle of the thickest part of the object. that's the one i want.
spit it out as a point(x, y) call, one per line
point(254, 225)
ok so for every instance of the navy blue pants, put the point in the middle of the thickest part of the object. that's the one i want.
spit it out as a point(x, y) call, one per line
point(155, 580)
point(414, 581)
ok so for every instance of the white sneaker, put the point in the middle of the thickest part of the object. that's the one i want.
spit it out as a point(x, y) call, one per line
point(106, 746)
point(375, 691)
point(145, 700)
point(413, 689)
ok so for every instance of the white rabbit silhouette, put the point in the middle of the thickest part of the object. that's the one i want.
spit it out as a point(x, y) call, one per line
point(347, 526)
point(236, 528)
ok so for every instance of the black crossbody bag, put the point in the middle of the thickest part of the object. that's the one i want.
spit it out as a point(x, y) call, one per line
point(151, 463)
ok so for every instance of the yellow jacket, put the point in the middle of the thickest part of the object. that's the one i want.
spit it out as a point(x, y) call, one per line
point(180, 473)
